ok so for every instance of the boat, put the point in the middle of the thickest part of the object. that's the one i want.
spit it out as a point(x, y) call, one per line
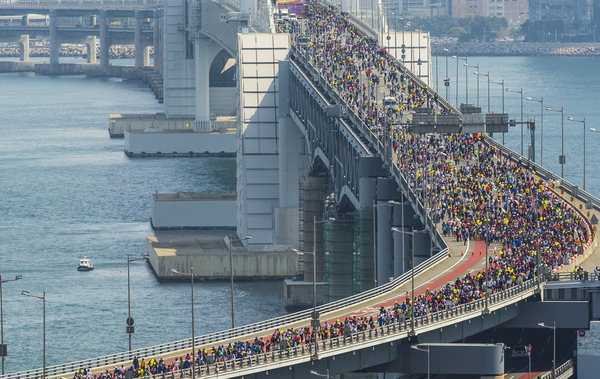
point(85, 264)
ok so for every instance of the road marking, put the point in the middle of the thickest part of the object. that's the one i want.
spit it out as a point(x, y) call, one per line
point(449, 268)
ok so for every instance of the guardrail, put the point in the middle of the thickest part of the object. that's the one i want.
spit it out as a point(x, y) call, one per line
point(563, 371)
point(261, 326)
point(87, 4)
point(358, 340)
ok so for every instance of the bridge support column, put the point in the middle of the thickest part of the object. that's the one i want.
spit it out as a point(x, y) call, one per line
point(137, 40)
point(91, 49)
point(338, 236)
point(146, 56)
point(314, 190)
point(54, 42)
point(25, 20)
point(205, 51)
point(403, 240)
point(24, 48)
point(287, 218)
point(385, 259)
point(104, 40)
point(421, 248)
point(157, 37)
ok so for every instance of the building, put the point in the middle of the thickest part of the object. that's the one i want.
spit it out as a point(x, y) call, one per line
point(514, 11)
point(573, 20)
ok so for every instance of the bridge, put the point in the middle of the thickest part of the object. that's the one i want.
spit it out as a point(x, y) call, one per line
point(94, 22)
point(413, 190)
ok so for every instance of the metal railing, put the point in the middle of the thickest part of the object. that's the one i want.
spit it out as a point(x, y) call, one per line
point(566, 370)
point(81, 4)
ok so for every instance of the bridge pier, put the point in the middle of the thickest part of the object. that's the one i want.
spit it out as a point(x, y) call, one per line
point(205, 52)
point(404, 221)
point(104, 40)
point(137, 40)
point(314, 189)
point(157, 35)
point(54, 41)
point(91, 49)
point(24, 48)
point(338, 236)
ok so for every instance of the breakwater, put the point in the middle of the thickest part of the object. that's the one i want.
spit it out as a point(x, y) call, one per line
point(519, 49)
point(72, 50)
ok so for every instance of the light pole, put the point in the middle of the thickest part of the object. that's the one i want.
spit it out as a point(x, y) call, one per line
point(553, 327)
point(416, 347)
point(43, 298)
point(476, 67)
point(541, 101)
point(447, 79)
point(582, 122)
point(129, 322)
point(562, 159)
point(3, 349)
point(412, 274)
point(502, 84)
point(191, 275)
point(521, 93)
point(326, 375)
point(231, 240)
point(488, 88)
point(457, 59)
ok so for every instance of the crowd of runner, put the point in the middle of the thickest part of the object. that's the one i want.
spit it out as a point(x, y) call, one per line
point(474, 190)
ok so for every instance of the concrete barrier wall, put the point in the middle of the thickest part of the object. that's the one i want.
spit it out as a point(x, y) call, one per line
point(193, 214)
point(182, 142)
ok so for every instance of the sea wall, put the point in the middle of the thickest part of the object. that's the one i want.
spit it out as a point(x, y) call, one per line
point(520, 49)
point(73, 50)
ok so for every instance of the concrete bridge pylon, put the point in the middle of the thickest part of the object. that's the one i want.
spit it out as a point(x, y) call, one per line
point(24, 48)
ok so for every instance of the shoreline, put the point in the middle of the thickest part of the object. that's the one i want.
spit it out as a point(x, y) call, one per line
point(498, 49)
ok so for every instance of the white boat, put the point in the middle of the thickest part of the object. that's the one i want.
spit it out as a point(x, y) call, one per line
point(85, 264)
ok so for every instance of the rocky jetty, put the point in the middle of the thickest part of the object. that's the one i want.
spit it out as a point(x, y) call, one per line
point(72, 50)
point(521, 49)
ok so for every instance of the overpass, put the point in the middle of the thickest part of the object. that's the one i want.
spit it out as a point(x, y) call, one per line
point(345, 150)
point(96, 19)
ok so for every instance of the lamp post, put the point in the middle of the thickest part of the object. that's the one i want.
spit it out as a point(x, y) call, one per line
point(541, 101)
point(521, 93)
point(43, 298)
point(129, 322)
point(412, 274)
point(326, 375)
point(502, 84)
point(416, 347)
point(231, 240)
point(562, 159)
point(582, 122)
point(447, 81)
point(476, 67)
point(553, 327)
point(457, 59)
point(3, 349)
point(191, 275)
point(488, 88)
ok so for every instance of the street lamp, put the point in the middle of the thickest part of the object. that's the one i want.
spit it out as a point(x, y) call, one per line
point(416, 347)
point(488, 88)
point(3, 349)
point(457, 59)
point(231, 240)
point(553, 327)
point(129, 322)
point(326, 375)
point(43, 298)
point(412, 274)
point(541, 101)
point(561, 158)
point(191, 275)
point(583, 123)
point(521, 93)
point(502, 84)
point(447, 79)
point(476, 67)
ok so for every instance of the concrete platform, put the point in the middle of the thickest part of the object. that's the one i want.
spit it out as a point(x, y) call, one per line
point(209, 256)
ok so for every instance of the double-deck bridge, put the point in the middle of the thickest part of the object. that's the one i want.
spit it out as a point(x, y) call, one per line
point(411, 189)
